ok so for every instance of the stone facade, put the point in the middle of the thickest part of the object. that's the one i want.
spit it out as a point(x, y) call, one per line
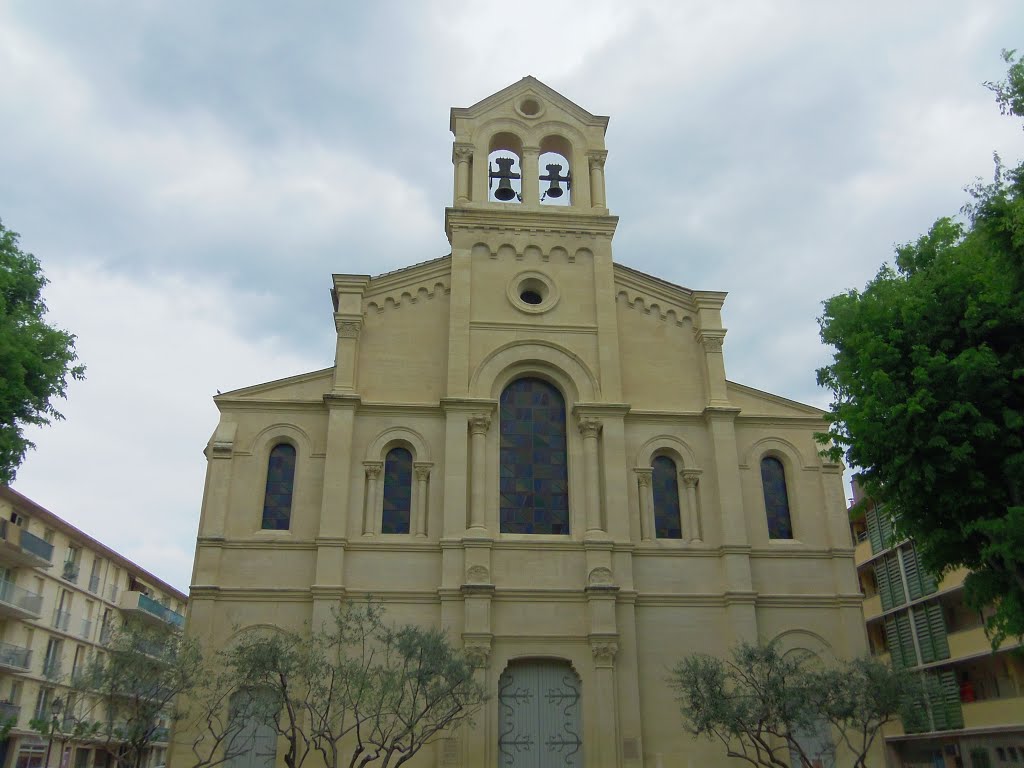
point(424, 355)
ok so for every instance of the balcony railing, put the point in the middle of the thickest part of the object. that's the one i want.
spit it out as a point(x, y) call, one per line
point(52, 667)
point(20, 599)
point(70, 571)
point(9, 712)
point(86, 628)
point(147, 605)
point(62, 620)
point(113, 593)
point(20, 547)
point(94, 583)
point(106, 631)
point(14, 656)
point(32, 543)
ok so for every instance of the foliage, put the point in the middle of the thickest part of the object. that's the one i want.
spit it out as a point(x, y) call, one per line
point(36, 359)
point(766, 707)
point(928, 387)
point(124, 698)
point(357, 692)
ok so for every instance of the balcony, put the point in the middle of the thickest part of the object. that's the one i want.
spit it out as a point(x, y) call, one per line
point(872, 607)
point(18, 602)
point(70, 572)
point(14, 658)
point(21, 548)
point(862, 552)
point(9, 711)
point(86, 628)
point(144, 607)
point(993, 712)
point(94, 583)
point(52, 668)
point(61, 620)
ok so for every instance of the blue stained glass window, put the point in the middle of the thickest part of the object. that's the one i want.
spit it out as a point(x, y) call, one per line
point(665, 484)
point(534, 480)
point(776, 499)
point(277, 501)
point(397, 491)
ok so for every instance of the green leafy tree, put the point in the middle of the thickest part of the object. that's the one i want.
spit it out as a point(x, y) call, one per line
point(36, 359)
point(124, 700)
point(356, 692)
point(928, 387)
point(779, 710)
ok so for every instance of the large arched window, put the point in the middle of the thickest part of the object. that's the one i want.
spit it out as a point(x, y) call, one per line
point(534, 480)
point(397, 491)
point(665, 488)
point(776, 498)
point(277, 501)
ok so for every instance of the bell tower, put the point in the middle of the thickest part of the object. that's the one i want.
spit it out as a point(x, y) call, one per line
point(529, 146)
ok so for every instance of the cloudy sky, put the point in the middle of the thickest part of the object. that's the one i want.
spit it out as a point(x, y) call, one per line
point(191, 173)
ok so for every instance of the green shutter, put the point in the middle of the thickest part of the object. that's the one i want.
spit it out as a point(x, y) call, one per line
point(892, 563)
point(884, 589)
point(892, 640)
point(913, 572)
point(915, 720)
point(906, 639)
point(924, 635)
point(874, 533)
point(951, 700)
point(937, 625)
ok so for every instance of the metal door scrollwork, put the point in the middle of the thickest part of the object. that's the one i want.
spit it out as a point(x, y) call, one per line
point(539, 716)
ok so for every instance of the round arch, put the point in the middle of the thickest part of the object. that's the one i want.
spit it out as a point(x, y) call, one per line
point(387, 439)
point(777, 447)
point(541, 358)
point(667, 445)
point(280, 432)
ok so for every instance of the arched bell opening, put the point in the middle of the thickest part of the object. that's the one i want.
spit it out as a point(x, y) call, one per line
point(555, 177)
point(504, 169)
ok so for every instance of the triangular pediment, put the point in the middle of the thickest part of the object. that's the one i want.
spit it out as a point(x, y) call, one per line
point(309, 387)
point(755, 402)
point(529, 85)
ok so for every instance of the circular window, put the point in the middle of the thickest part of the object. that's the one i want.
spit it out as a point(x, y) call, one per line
point(532, 292)
point(529, 107)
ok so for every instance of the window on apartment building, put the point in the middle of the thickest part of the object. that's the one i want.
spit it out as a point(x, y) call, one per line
point(397, 491)
point(17, 519)
point(82, 757)
point(43, 699)
point(665, 490)
point(14, 696)
point(980, 758)
point(277, 500)
point(78, 665)
point(52, 659)
point(94, 575)
point(776, 498)
point(48, 535)
point(533, 475)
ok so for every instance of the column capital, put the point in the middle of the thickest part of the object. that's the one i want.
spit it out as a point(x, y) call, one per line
point(479, 423)
point(478, 651)
point(597, 158)
point(691, 477)
point(604, 650)
point(531, 151)
point(422, 469)
point(711, 339)
point(348, 327)
point(644, 475)
point(589, 426)
point(373, 468)
point(462, 151)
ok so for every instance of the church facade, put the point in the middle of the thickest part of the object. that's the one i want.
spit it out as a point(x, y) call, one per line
point(536, 449)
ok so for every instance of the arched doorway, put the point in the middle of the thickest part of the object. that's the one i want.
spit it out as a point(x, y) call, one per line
point(539, 723)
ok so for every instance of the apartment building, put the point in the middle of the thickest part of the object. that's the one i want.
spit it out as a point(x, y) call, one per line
point(974, 716)
point(61, 594)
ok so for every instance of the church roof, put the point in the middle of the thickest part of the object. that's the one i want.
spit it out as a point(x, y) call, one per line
point(529, 84)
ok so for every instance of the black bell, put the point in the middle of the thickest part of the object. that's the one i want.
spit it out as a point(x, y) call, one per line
point(554, 190)
point(504, 175)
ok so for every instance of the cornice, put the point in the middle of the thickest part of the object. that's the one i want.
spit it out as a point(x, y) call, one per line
point(526, 85)
point(601, 409)
point(410, 275)
point(232, 405)
point(218, 542)
point(468, 404)
point(536, 327)
point(809, 600)
point(554, 221)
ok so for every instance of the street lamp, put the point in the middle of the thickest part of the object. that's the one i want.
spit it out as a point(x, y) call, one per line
point(55, 707)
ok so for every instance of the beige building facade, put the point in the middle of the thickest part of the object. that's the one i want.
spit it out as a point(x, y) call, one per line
point(537, 449)
point(62, 593)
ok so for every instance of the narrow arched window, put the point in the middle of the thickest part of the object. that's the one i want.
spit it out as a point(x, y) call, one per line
point(665, 487)
point(534, 479)
point(397, 491)
point(776, 498)
point(277, 501)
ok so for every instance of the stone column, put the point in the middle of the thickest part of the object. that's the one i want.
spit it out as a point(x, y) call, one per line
point(478, 425)
point(690, 479)
point(597, 159)
point(347, 295)
point(373, 470)
point(531, 175)
point(604, 650)
point(462, 154)
point(422, 471)
point(590, 428)
point(643, 479)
